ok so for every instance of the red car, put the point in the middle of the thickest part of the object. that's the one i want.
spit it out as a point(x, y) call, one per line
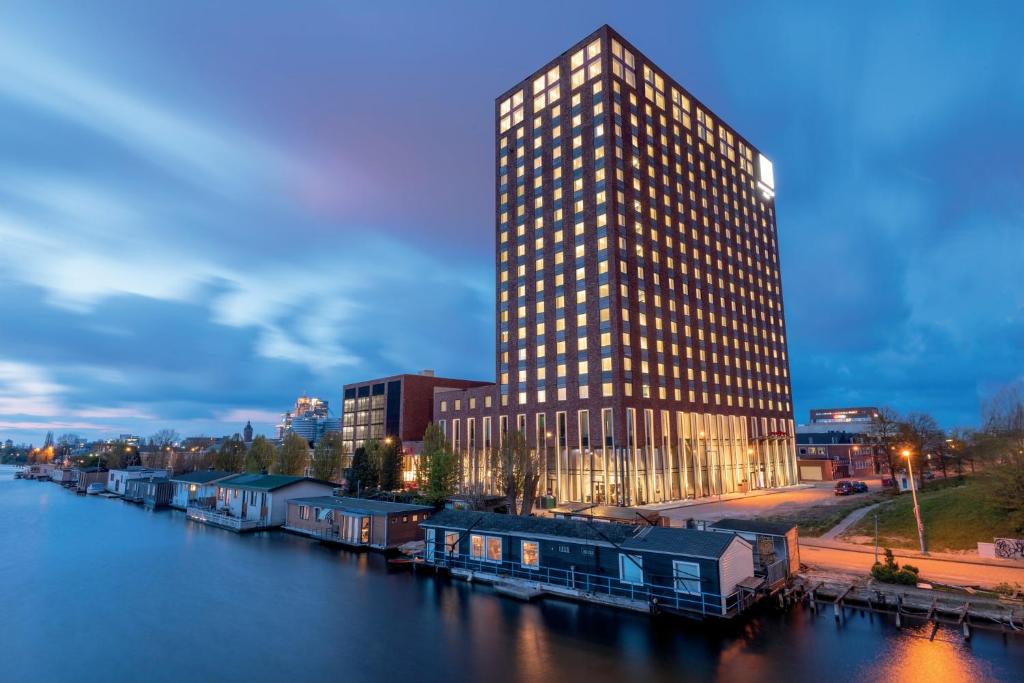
point(844, 488)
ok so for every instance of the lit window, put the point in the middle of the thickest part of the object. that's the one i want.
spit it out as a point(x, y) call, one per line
point(585, 64)
point(654, 86)
point(451, 543)
point(476, 547)
point(531, 554)
point(623, 64)
point(493, 549)
point(511, 111)
point(545, 89)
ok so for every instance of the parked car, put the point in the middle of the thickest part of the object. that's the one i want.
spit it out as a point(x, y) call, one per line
point(844, 488)
point(860, 487)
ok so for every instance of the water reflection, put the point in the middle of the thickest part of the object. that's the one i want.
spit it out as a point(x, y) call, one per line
point(180, 600)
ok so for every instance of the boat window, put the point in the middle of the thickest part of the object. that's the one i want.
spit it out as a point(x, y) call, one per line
point(631, 569)
point(531, 554)
point(686, 577)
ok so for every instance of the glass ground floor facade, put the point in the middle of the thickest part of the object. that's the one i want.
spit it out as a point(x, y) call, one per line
point(632, 456)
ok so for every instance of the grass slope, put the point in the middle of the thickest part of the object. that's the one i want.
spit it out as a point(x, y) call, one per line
point(815, 520)
point(955, 517)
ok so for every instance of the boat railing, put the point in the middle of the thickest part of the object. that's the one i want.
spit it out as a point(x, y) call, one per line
point(220, 518)
point(676, 597)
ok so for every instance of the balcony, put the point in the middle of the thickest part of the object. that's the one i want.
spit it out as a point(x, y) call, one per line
point(222, 519)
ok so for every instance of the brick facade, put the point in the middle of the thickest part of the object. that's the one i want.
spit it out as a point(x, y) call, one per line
point(640, 334)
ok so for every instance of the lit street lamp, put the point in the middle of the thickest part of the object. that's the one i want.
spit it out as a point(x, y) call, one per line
point(917, 509)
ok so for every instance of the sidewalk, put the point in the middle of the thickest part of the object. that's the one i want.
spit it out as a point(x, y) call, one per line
point(725, 498)
point(905, 554)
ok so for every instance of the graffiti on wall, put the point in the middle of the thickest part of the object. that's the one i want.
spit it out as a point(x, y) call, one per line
point(1010, 548)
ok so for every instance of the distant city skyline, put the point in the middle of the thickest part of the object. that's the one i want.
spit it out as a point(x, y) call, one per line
point(206, 212)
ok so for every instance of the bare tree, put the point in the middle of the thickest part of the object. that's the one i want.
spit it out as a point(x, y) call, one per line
point(517, 472)
point(885, 429)
point(922, 436)
point(164, 438)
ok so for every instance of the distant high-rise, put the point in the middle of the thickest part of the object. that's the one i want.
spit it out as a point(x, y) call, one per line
point(641, 340)
point(309, 419)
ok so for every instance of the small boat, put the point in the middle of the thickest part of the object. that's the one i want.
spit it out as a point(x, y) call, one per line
point(94, 488)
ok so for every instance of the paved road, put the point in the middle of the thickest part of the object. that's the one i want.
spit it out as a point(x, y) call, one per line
point(943, 571)
point(774, 503)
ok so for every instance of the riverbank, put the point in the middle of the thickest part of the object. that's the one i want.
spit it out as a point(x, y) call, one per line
point(956, 515)
point(150, 591)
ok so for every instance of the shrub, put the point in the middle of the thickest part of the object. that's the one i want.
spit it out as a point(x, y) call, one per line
point(891, 572)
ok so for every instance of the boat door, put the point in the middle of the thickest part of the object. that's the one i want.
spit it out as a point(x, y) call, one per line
point(428, 550)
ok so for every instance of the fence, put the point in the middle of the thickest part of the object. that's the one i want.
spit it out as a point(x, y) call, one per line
point(594, 584)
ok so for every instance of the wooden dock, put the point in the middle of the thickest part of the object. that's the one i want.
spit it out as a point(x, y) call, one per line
point(910, 604)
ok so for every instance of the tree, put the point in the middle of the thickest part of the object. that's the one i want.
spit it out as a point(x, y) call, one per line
point(260, 455)
point(920, 434)
point(433, 442)
point(885, 427)
point(66, 443)
point(164, 438)
point(438, 471)
point(516, 472)
point(326, 462)
point(364, 474)
point(116, 455)
point(231, 454)
point(292, 455)
point(391, 464)
point(1001, 442)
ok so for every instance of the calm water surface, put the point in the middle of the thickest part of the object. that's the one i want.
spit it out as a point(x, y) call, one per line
point(93, 589)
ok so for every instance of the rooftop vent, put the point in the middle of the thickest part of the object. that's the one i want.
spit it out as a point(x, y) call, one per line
point(427, 373)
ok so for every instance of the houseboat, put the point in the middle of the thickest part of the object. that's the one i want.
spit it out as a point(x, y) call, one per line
point(775, 547)
point(196, 488)
point(153, 492)
point(39, 471)
point(117, 479)
point(65, 476)
point(646, 568)
point(247, 502)
point(360, 522)
point(90, 475)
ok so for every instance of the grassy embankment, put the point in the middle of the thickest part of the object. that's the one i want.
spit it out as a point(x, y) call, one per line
point(813, 521)
point(956, 516)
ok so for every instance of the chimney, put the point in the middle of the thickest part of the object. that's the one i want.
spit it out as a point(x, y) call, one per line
point(427, 373)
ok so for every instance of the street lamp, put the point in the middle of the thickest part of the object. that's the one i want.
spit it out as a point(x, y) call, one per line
point(917, 509)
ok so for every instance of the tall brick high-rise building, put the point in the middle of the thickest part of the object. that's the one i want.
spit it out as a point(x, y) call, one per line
point(641, 340)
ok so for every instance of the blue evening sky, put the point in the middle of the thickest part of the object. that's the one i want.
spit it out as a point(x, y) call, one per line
point(207, 208)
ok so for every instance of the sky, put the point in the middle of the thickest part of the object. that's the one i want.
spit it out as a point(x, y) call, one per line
point(207, 209)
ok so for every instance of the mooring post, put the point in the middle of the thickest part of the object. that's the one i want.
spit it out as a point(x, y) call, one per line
point(967, 629)
point(899, 608)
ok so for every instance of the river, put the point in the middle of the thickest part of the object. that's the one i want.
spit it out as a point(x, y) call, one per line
point(93, 589)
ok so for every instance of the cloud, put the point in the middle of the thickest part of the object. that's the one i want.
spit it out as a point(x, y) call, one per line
point(27, 390)
point(242, 415)
point(213, 158)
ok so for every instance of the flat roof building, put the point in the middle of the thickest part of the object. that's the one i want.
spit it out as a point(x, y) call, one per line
point(843, 416)
point(640, 332)
point(398, 406)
